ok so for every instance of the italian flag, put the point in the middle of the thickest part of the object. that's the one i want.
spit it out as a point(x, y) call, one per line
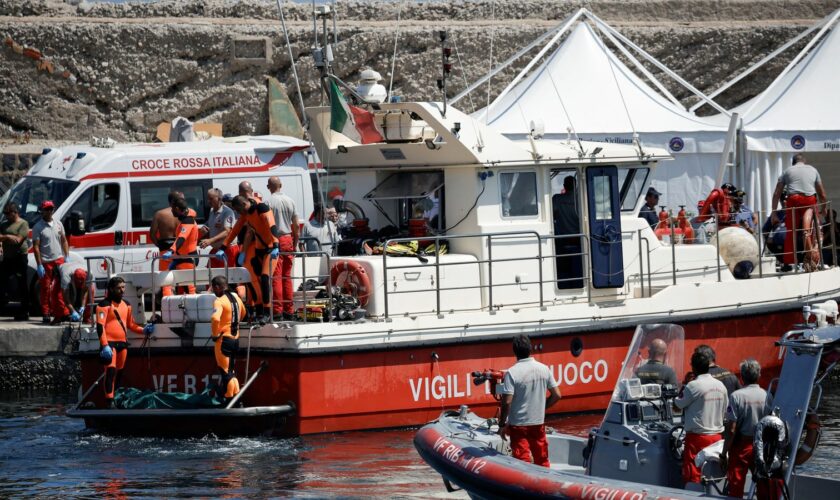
point(356, 123)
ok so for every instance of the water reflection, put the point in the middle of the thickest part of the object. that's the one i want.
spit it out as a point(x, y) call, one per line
point(45, 454)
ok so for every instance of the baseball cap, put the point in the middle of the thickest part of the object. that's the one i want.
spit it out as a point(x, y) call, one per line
point(227, 198)
point(653, 192)
point(79, 275)
point(47, 204)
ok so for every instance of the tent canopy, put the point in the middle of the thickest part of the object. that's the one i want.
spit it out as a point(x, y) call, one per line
point(584, 87)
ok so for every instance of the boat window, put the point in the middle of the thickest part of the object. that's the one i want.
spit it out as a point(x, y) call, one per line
point(632, 181)
point(519, 194)
point(99, 206)
point(602, 192)
point(31, 191)
point(149, 197)
point(407, 185)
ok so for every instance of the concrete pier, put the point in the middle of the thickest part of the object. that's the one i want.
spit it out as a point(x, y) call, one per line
point(34, 356)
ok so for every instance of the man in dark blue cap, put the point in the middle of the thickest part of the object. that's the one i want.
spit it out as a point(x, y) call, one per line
point(648, 211)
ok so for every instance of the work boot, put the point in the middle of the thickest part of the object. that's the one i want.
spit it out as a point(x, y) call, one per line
point(289, 317)
point(46, 319)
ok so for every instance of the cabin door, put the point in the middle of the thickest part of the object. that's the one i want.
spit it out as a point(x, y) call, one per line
point(605, 227)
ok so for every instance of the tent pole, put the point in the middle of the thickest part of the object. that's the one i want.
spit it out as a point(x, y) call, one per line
point(795, 60)
point(641, 68)
point(503, 65)
point(533, 62)
point(659, 65)
point(759, 64)
point(727, 149)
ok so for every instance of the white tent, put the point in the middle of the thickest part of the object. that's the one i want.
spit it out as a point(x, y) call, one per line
point(583, 88)
point(798, 112)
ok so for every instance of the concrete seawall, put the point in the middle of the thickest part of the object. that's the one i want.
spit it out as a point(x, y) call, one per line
point(34, 357)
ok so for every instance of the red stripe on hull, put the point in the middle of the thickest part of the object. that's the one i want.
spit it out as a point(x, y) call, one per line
point(410, 386)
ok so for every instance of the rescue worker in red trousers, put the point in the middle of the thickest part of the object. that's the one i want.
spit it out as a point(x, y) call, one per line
point(803, 186)
point(266, 249)
point(703, 401)
point(524, 403)
point(746, 408)
point(186, 240)
point(113, 320)
point(49, 244)
point(228, 310)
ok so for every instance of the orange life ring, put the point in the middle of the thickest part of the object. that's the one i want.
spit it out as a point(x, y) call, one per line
point(352, 278)
point(813, 429)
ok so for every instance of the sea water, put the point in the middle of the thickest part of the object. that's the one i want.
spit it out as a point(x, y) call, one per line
point(45, 454)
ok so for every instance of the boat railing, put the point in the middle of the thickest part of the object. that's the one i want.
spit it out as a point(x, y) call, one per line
point(108, 266)
point(823, 234)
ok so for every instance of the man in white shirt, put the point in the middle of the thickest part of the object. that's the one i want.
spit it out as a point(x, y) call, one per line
point(703, 401)
point(320, 234)
point(524, 403)
point(50, 248)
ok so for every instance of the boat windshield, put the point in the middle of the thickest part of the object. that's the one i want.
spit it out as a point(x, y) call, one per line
point(30, 191)
point(654, 360)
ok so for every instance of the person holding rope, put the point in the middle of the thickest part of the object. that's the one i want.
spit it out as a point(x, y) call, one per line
point(227, 314)
point(113, 320)
point(803, 186)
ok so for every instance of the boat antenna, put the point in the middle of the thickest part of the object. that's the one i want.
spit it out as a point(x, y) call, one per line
point(445, 66)
point(571, 128)
point(323, 54)
point(463, 75)
point(294, 68)
point(394, 57)
point(490, 59)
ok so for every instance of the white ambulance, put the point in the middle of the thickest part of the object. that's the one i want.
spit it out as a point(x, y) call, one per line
point(115, 191)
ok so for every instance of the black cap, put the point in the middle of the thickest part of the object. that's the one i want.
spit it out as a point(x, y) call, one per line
point(653, 192)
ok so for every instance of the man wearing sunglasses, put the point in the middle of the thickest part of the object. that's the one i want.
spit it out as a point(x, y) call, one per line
point(14, 236)
point(51, 248)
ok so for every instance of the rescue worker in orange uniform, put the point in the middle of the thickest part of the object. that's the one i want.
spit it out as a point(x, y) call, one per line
point(186, 240)
point(228, 309)
point(258, 217)
point(113, 320)
point(162, 233)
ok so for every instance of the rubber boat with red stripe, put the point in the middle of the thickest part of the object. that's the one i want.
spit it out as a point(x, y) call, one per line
point(636, 452)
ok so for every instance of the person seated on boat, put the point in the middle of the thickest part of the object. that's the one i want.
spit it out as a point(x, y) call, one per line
point(567, 222)
point(729, 380)
point(719, 205)
point(320, 234)
point(746, 408)
point(774, 233)
point(648, 210)
point(744, 217)
point(228, 309)
point(186, 241)
point(655, 371)
point(524, 404)
point(77, 297)
point(703, 401)
point(804, 187)
point(113, 320)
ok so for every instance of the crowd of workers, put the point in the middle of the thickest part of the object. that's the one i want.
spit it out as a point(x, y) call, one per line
point(247, 230)
point(802, 196)
point(715, 404)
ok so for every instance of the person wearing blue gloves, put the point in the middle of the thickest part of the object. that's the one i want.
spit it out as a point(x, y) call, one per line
point(49, 244)
point(113, 320)
point(77, 295)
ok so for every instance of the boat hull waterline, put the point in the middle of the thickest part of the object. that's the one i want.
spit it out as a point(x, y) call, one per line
point(406, 386)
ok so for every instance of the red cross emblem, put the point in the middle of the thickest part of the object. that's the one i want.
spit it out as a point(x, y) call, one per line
point(104, 266)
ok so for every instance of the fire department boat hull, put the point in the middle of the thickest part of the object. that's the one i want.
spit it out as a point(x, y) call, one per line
point(366, 388)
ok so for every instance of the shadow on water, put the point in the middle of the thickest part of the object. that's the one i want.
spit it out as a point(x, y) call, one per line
point(43, 453)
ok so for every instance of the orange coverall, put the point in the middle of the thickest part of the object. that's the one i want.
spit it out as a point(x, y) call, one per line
point(259, 263)
point(186, 243)
point(227, 313)
point(112, 320)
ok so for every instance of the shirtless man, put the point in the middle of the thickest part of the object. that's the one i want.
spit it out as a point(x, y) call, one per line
point(162, 234)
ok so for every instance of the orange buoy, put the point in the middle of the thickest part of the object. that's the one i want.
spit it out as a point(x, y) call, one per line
point(352, 279)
